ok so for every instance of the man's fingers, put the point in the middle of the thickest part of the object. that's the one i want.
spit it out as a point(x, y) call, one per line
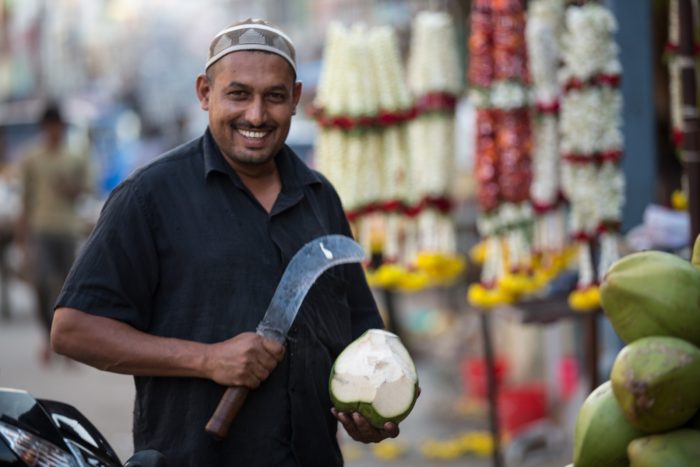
point(267, 361)
point(361, 430)
point(369, 432)
point(391, 429)
point(273, 348)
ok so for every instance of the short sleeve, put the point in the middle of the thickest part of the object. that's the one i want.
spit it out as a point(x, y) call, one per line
point(116, 272)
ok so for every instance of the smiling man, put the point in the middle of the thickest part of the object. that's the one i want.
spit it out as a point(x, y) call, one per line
point(186, 256)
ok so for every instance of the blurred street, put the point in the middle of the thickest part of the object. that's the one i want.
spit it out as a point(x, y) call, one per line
point(107, 400)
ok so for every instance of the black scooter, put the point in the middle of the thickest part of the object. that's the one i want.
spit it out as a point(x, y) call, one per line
point(45, 433)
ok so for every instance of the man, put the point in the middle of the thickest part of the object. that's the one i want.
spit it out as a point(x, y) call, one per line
point(52, 177)
point(185, 258)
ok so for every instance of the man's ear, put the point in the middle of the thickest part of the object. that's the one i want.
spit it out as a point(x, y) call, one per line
point(203, 90)
point(296, 93)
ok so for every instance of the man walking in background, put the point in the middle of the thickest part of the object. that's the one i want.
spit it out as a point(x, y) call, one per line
point(52, 176)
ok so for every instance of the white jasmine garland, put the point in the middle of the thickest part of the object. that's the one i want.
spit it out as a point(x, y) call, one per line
point(429, 232)
point(587, 48)
point(328, 85)
point(611, 192)
point(487, 224)
point(545, 160)
point(392, 247)
point(480, 98)
point(353, 165)
point(372, 167)
point(586, 273)
point(493, 264)
point(396, 163)
point(392, 91)
point(543, 33)
point(509, 95)
point(433, 68)
point(579, 181)
point(512, 215)
point(550, 232)
point(675, 94)
point(610, 113)
point(580, 122)
point(591, 127)
point(543, 30)
point(431, 149)
point(433, 64)
point(363, 92)
point(334, 97)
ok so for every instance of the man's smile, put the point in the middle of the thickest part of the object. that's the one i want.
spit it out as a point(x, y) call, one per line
point(254, 134)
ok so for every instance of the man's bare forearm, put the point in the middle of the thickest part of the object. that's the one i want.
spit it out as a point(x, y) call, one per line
point(115, 346)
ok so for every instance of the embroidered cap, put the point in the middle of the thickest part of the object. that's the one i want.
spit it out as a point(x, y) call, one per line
point(252, 34)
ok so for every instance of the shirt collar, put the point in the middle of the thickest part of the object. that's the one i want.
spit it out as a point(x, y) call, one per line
point(293, 171)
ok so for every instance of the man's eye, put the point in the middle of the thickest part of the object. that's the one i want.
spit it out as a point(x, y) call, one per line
point(237, 94)
point(278, 96)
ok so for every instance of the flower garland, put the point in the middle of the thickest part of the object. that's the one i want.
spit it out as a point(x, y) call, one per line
point(434, 80)
point(679, 198)
point(543, 32)
point(341, 151)
point(591, 142)
point(363, 107)
point(498, 77)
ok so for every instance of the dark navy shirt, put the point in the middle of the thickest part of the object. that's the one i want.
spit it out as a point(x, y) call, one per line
point(182, 249)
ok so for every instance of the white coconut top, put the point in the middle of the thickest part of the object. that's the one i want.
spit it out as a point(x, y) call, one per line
point(379, 356)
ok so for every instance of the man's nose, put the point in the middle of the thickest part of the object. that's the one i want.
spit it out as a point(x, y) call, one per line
point(255, 113)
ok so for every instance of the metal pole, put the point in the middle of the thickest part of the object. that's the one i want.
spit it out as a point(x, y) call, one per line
point(690, 150)
point(491, 388)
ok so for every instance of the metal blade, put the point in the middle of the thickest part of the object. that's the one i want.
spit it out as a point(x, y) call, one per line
point(302, 271)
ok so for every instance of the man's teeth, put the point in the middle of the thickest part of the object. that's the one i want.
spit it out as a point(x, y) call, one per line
point(253, 134)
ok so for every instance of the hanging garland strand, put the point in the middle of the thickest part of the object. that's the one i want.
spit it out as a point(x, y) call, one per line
point(591, 143)
point(499, 77)
point(543, 32)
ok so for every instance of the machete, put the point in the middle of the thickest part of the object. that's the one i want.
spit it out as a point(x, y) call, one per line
point(300, 274)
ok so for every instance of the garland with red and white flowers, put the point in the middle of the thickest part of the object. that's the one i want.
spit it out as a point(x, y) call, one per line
point(498, 78)
point(591, 142)
point(679, 198)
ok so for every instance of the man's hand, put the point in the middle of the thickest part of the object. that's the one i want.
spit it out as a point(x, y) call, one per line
point(360, 429)
point(244, 360)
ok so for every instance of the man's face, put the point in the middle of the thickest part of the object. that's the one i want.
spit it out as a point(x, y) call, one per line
point(250, 97)
point(53, 133)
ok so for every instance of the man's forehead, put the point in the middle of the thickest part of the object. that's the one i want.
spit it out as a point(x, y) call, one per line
point(253, 64)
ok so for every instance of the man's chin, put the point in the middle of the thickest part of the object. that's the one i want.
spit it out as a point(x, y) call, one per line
point(254, 158)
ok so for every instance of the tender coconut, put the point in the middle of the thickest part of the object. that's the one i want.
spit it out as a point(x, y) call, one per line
point(375, 375)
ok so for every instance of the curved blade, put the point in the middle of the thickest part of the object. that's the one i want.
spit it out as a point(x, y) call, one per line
point(302, 271)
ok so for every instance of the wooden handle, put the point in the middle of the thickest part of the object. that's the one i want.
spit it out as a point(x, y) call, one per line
point(229, 405)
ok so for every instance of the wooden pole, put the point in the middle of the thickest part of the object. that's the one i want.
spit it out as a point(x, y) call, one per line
point(690, 150)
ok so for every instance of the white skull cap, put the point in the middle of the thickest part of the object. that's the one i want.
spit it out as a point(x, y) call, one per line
point(252, 34)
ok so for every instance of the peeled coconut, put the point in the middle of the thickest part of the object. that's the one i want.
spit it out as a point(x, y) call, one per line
point(375, 375)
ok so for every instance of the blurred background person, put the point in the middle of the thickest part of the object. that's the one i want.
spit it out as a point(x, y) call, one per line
point(52, 176)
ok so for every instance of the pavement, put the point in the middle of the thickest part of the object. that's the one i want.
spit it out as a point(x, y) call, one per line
point(444, 428)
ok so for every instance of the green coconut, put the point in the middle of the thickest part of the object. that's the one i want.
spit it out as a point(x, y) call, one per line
point(375, 376)
point(678, 448)
point(602, 433)
point(653, 293)
point(656, 381)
